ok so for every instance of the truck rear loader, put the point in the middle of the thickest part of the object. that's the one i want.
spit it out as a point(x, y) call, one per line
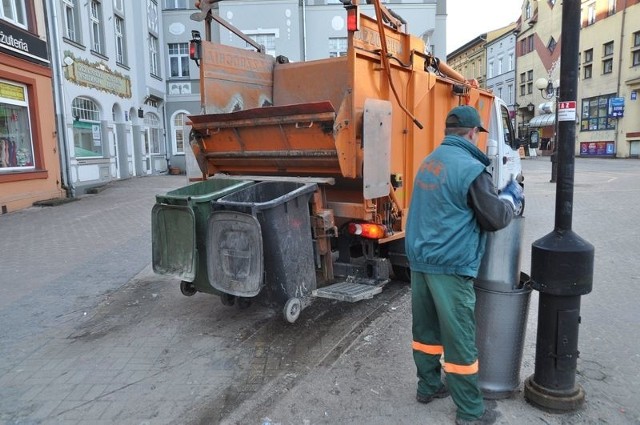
point(321, 156)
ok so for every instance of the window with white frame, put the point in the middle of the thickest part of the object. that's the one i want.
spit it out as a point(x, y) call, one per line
point(607, 61)
point(152, 123)
point(591, 14)
point(176, 4)
point(338, 46)
point(635, 50)
point(500, 70)
point(118, 6)
point(97, 37)
point(179, 59)
point(510, 62)
point(16, 145)
point(268, 40)
point(153, 56)
point(87, 135)
point(178, 133)
point(71, 21)
point(490, 70)
point(527, 11)
point(121, 44)
point(15, 12)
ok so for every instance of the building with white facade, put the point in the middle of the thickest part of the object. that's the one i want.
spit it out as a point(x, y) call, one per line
point(109, 75)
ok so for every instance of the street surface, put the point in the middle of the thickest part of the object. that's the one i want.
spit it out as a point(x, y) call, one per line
point(90, 335)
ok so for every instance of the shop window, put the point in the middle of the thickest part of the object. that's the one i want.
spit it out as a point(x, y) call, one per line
point(178, 132)
point(16, 145)
point(14, 11)
point(595, 114)
point(87, 135)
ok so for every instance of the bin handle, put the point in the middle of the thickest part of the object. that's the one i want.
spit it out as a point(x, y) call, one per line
point(304, 125)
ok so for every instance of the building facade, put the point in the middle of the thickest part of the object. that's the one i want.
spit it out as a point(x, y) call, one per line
point(109, 73)
point(29, 156)
point(470, 60)
point(609, 105)
point(538, 56)
point(501, 66)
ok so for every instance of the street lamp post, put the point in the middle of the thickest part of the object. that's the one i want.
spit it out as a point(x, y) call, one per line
point(550, 90)
point(561, 261)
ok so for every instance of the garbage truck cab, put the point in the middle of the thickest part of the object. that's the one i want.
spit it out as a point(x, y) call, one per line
point(321, 156)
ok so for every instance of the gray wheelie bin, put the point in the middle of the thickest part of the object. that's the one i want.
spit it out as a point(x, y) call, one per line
point(259, 245)
point(502, 310)
point(178, 231)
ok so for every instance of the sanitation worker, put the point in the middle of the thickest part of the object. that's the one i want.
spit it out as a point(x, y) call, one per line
point(452, 206)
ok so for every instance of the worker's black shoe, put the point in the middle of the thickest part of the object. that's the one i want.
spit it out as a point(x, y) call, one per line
point(441, 393)
point(488, 417)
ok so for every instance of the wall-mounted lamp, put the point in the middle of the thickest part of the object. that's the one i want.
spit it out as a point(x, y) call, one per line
point(195, 47)
point(530, 107)
point(140, 113)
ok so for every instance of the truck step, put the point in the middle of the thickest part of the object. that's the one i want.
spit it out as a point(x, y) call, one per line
point(350, 291)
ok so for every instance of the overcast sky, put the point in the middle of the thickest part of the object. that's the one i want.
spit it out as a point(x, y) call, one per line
point(467, 19)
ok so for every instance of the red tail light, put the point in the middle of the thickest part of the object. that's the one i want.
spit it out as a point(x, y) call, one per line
point(367, 230)
point(194, 50)
point(353, 18)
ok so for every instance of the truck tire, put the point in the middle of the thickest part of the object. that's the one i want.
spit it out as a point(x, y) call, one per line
point(402, 273)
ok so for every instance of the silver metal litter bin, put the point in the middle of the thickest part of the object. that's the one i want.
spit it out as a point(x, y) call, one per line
point(502, 310)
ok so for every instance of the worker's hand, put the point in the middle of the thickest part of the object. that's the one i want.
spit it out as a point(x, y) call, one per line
point(514, 194)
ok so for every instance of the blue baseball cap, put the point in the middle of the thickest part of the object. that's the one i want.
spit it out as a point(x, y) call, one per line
point(464, 117)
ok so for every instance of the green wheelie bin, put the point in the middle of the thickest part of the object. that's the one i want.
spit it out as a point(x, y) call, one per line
point(179, 228)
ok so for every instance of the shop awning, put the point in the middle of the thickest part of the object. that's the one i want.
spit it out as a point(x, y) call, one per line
point(543, 120)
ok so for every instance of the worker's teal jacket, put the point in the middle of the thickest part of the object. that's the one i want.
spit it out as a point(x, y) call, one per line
point(442, 233)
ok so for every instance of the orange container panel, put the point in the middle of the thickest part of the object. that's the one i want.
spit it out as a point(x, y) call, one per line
point(233, 79)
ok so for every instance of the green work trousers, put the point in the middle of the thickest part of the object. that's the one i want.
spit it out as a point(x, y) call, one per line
point(444, 323)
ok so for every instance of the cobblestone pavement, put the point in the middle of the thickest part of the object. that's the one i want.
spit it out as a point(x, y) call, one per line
point(89, 335)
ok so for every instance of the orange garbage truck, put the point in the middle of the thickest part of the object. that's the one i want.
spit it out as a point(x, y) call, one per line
point(310, 165)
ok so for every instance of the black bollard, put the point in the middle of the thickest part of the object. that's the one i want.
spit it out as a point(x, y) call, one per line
point(561, 262)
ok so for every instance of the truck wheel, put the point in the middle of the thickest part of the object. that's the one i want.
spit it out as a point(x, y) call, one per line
point(292, 309)
point(402, 273)
point(187, 288)
point(227, 299)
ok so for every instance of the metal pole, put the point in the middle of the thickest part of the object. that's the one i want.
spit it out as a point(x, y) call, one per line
point(561, 262)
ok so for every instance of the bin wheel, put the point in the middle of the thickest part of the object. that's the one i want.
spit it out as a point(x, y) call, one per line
point(227, 299)
point(243, 303)
point(187, 288)
point(292, 309)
